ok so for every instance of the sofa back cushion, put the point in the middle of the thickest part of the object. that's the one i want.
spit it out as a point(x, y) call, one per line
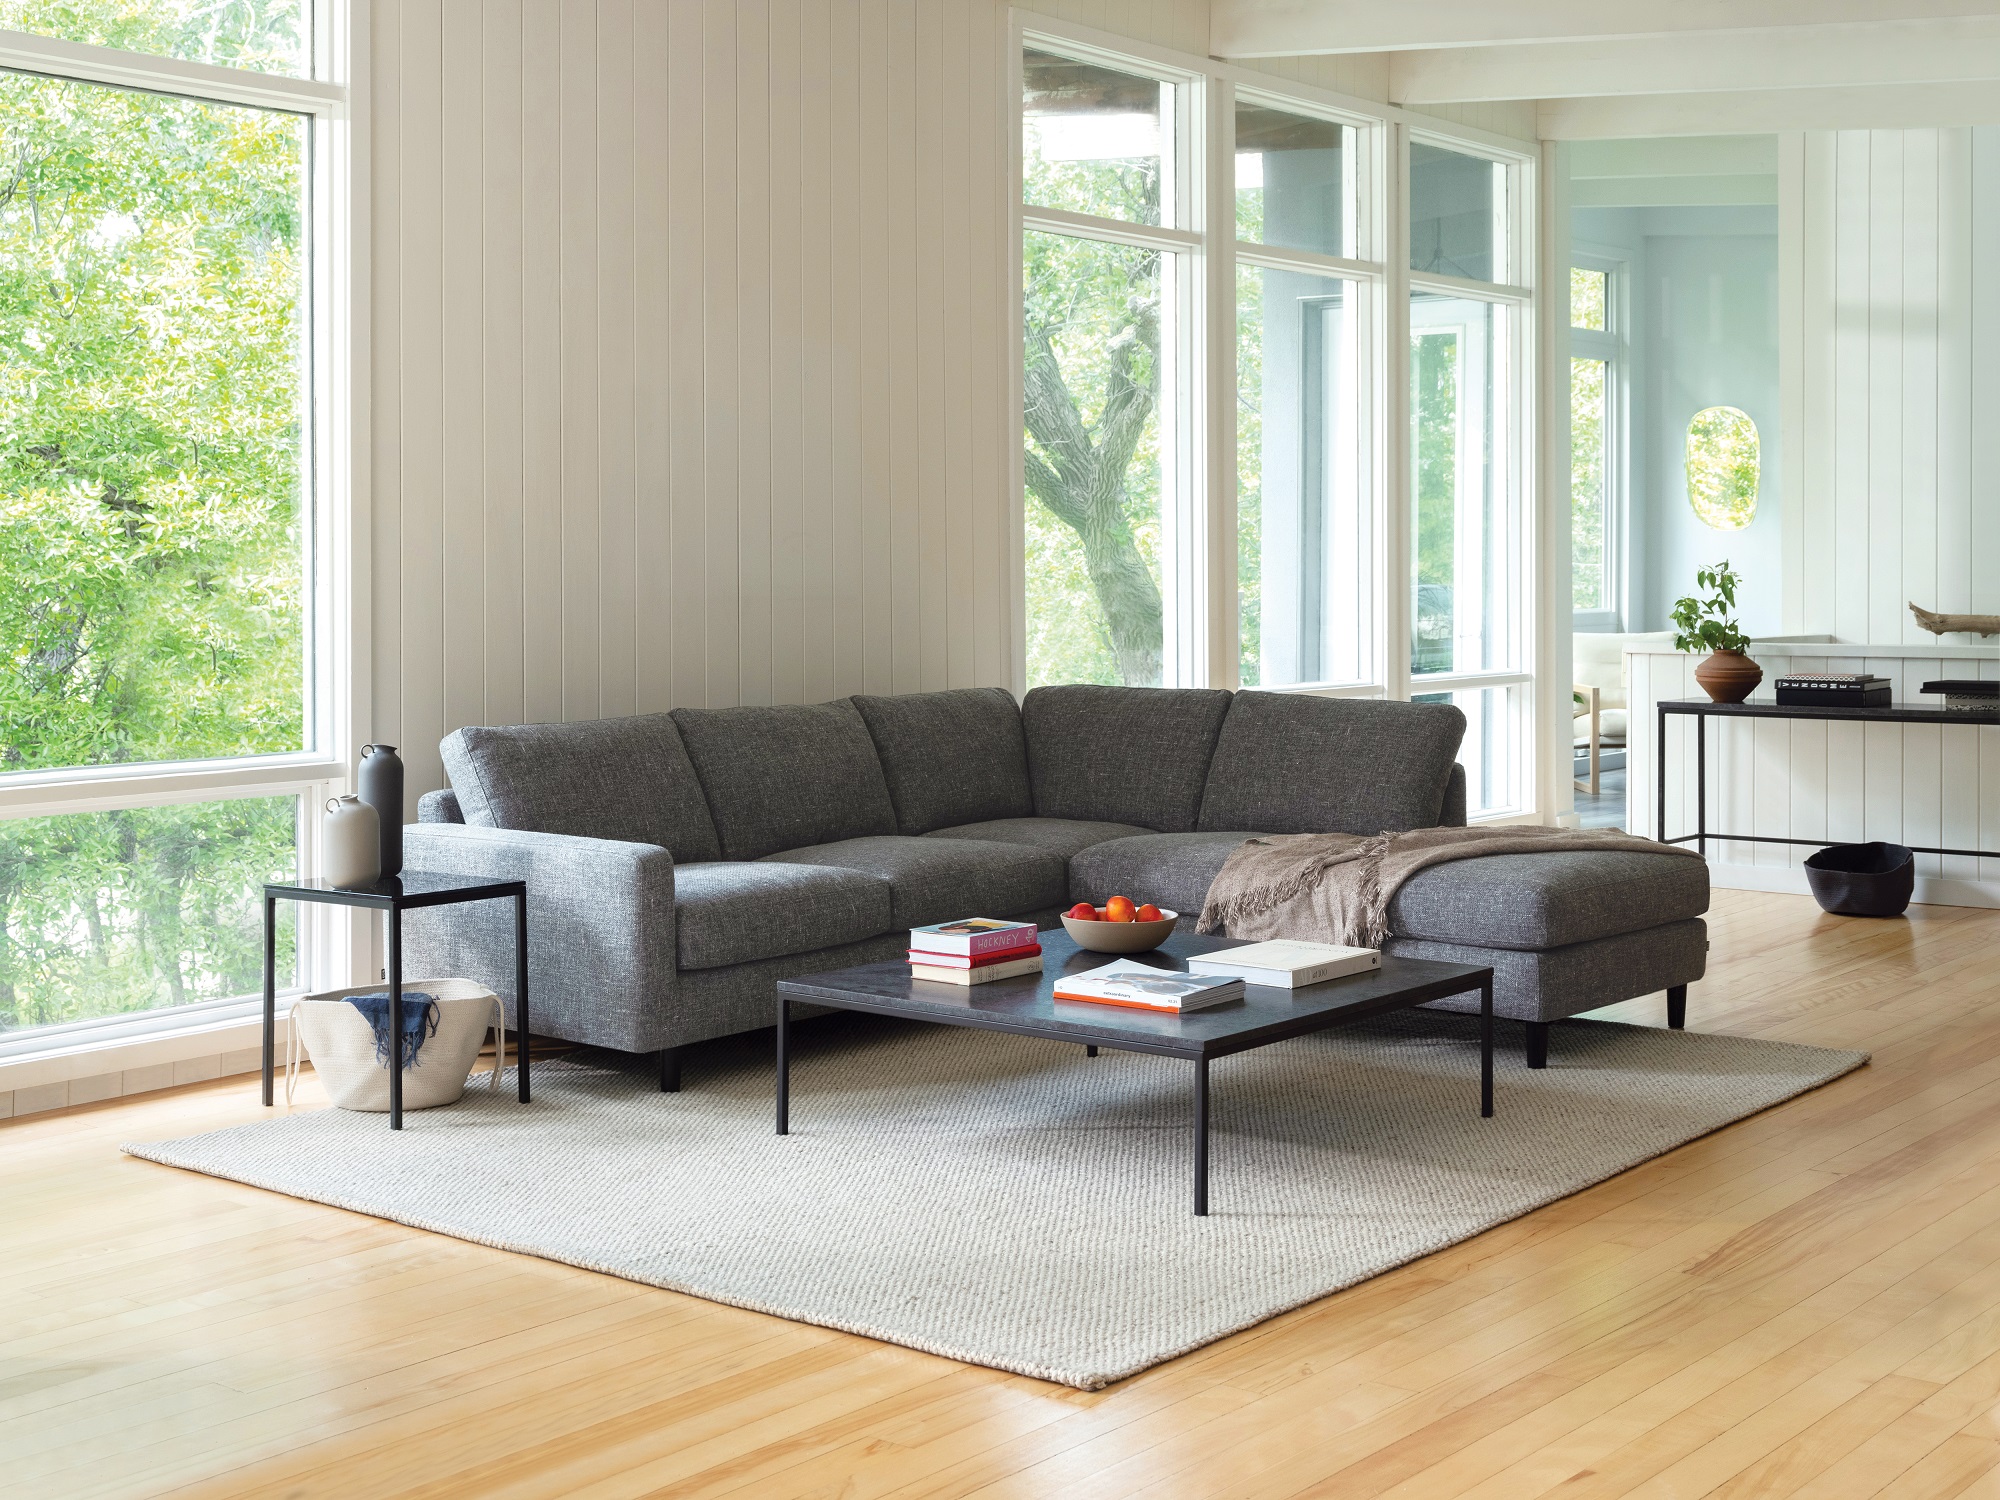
point(1292, 763)
point(623, 779)
point(950, 758)
point(1121, 754)
point(786, 776)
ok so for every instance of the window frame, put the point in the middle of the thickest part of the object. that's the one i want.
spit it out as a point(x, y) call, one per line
point(1612, 346)
point(1203, 608)
point(333, 103)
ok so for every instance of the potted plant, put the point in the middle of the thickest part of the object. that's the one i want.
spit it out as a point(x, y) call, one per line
point(1707, 624)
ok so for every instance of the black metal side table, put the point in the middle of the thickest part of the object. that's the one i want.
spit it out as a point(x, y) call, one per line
point(392, 897)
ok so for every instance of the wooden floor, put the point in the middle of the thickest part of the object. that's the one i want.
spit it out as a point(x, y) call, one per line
point(1806, 1303)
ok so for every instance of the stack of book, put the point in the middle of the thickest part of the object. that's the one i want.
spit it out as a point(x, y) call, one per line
point(1834, 690)
point(1968, 695)
point(974, 950)
point(1138, 986)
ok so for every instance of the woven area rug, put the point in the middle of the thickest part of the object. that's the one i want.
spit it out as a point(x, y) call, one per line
point(1010, 1202)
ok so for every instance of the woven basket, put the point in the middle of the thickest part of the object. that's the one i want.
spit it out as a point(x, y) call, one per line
point(341, 1044)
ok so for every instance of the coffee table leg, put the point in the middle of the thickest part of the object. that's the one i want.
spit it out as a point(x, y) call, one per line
point(784, 1066)
point(1486, 1048)
point(1201, 1137)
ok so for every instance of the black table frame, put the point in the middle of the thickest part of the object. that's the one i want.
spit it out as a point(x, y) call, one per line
point(1701, 710)
point(828, 990)
point(392, 900)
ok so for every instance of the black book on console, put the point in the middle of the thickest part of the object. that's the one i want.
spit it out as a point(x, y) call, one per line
point(1833, 697)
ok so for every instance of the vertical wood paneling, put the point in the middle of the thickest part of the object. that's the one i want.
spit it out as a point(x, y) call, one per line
point(500, 387)
point(685, 353)
point(652, 447)
point(462, 523)
point(1899, 339)
point(721, 397)
point(615, 317)
point(386, 387)
point(541, 367)
point(818, 111)
point(754, 425)
point(579, 568)
point(786, 579)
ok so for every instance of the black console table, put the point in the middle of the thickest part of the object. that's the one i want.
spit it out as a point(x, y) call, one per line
point(1702, 710)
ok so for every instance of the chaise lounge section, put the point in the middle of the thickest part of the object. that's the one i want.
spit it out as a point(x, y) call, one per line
point(678, 865)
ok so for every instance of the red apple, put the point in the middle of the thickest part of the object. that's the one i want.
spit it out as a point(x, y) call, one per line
point(1083, 911)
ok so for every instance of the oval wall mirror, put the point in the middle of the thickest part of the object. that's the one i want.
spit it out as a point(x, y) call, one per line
point(1722, 467)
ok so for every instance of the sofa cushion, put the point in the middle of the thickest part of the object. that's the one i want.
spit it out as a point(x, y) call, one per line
point(955, 757)
point(1534, 901)
point(733, 912)
point(625, 779)
point(782, 776)
point(1122, 755)
point(1060, 836)
point(934, 880)
point(1168, 869)
point(1293, 763)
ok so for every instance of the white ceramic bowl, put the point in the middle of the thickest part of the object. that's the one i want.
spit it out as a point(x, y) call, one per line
point(1121, 937)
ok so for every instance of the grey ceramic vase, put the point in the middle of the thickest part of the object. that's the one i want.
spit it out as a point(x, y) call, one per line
point(382, 789)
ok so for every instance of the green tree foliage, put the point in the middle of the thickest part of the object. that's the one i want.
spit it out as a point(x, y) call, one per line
point(1722, 467)
point(1092, 442)
point(1586, 483)
point(1434, 376)
point(151, 503)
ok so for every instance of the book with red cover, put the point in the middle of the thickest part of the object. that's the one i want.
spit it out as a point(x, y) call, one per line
point(972, 936)
point(973, 960)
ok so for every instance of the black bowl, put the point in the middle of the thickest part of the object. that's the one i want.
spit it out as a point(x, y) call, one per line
point(1863, 880)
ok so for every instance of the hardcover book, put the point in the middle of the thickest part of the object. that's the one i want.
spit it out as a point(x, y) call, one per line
point(1288, 963)
point(972, 935)
point(974, 960)
point(984, 974)
point(1140, 986)
point(1822, 697)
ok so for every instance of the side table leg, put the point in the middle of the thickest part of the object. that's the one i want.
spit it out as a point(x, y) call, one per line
point(1486, 1048)
point(270, 995)
point(1660, 775)
point(1700, 786)
point(395, 923)
point(521, 995)
point(1201, 1137)
point(784, 1066)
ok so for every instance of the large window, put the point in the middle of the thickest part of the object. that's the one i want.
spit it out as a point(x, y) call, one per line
point(1103, 313)
point(1596, 468)
point(1305, 532)
point(163, 692)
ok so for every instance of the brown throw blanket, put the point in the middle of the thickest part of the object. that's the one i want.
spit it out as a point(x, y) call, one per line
point(1336, 887)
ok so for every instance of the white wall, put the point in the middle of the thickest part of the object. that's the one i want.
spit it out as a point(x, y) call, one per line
point(1892, 362)
point(690, 349)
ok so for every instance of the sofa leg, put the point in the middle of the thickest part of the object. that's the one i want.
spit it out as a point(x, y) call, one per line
point(1538, 1044)
point(1090, 1051)
point(1677, 1007)
point(670, 1070)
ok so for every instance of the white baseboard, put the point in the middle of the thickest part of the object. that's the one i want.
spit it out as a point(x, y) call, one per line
point(1931, 891)
point(87, 1074)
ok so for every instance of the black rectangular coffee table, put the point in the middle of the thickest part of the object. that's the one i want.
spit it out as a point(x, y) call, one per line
point(1026, 1006)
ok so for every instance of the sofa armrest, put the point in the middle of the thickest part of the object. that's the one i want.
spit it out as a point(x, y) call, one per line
point(1454, 811)
point(600, 929)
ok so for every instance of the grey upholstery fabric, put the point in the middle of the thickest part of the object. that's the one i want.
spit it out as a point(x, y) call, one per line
point(1060, 836)
point(744, 997)
point(1453, 814)
point(1168, 869)
point(1293, 763)
point(788, 775)
point(1555, 983)
point(600, 929)
point(955, 757)
point(1529, 901)
point(1122, 755)
point(440, 806)
point(625, 779)
point(735, 912)
point(934, 880)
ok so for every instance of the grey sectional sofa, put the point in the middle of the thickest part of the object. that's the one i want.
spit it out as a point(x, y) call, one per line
point(679, 864)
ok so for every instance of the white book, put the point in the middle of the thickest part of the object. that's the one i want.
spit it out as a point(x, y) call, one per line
point(1288, 963)
point(1143, 987)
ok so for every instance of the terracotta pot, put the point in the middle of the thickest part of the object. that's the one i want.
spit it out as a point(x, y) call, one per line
point(1729, 676)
